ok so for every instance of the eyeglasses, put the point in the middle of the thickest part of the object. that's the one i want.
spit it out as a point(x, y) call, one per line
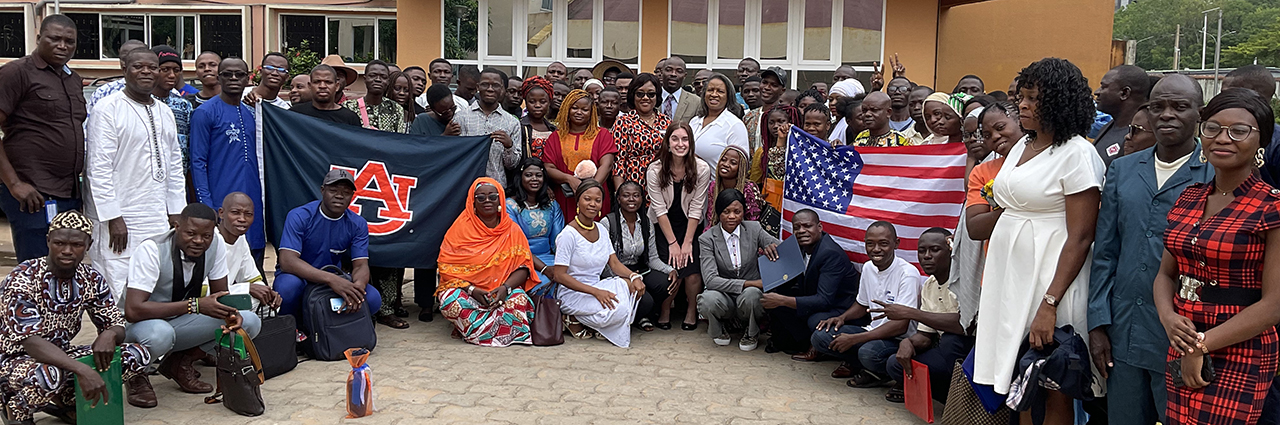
point(1135, 129)
point(275, 69)
point(645, 94)
point(233, 75)
point(492, 197)
point(976, 135)
point(898, 89)
point(487, 86)
point(1237, 132)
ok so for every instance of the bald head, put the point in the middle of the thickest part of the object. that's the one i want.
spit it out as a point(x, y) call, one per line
point(237, 198)
point(1179, 86)
point(1253, 77)
point(875, 112)
point(129, 46)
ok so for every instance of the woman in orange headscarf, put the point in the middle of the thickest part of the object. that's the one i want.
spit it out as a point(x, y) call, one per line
point(578, 139)
point(485, 268)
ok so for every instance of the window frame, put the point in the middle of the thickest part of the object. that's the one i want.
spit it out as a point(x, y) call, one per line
point(753, 26)
point(29, 29)
point(147, 10)
point(276, 14)
point(559, 37)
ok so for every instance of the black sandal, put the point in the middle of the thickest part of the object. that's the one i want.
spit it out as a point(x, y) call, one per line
point(689, 326)
point(896, 394)
point(393, 322)
point(646, 325)
point(666, 326)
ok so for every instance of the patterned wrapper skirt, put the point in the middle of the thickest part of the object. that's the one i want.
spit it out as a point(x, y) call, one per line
point(496, 327)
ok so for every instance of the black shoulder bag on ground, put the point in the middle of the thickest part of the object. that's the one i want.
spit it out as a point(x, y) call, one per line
point(239, 375)
point(277, 343)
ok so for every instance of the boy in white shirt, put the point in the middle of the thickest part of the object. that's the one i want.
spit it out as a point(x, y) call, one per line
point(886, 279)
point(234, 219)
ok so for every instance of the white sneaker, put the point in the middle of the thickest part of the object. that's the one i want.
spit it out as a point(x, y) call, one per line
point(722, 340)
point(748, 343)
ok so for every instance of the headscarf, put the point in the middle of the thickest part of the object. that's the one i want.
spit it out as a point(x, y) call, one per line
point(592, 81)
point(955, 101)
point(848, 88)
point(793, 114)
point(71, 219)
point(744, 167)
point(474, 254)
point(537, 81)
point(562, 120)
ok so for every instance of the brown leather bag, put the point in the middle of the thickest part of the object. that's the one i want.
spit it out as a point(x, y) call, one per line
point(239, 375)
point(548, 326)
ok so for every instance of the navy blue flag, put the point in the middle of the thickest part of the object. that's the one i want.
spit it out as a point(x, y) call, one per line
point(409, 188)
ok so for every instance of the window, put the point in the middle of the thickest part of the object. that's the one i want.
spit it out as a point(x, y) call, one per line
point(539, 30)
point(13, 35)
point(356, 39)
point(178, 32)
point(731, 30)
point(117, 29)
point(817, 30)
point(500, 31)
point(100, 36)
point(222, 34)
point(622, 30)
point(861, 33)
point(86, 35)
point(580, 29)
point(461, 34)
point(689, 22)
point(773, 29)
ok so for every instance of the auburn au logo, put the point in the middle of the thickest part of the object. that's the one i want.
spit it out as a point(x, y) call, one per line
point(374, 183)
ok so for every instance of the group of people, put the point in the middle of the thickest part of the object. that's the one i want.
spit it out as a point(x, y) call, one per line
point(636, 200)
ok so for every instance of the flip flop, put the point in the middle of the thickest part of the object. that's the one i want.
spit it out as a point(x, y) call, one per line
point(393, 322)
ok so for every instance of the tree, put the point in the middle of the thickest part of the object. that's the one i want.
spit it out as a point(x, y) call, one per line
point(1153, 23)
point(455, 48)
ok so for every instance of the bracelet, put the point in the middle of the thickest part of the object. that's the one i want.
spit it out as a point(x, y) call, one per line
point(191, 306)
point(634, 276)
point(196, 305)
point(674, 243)
point(543, 271)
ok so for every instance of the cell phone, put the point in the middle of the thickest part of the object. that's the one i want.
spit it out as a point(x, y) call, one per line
point(338, 305)
point(237, 301)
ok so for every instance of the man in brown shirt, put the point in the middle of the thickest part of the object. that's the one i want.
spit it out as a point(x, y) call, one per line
point(42, 113)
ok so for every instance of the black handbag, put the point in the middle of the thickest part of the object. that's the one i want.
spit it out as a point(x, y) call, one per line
point(239, 374)
point(547, 328)
point(277, 343)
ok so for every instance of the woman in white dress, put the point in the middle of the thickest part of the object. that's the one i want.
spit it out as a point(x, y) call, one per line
point(1050, 191)
point(607, 306)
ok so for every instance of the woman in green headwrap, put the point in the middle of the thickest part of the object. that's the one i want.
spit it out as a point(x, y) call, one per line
point(943, 117)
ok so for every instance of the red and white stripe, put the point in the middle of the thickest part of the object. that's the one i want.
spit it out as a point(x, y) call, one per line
point(913, 187)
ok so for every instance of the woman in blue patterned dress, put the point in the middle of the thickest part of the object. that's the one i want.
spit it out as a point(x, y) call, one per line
point(531, 206)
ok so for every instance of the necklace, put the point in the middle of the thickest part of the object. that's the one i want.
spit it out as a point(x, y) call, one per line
point(583, 226)
point(1032, 143)
point(158, 168)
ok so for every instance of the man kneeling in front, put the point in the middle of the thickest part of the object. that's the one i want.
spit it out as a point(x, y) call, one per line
point(163, 301)
point(43, 301)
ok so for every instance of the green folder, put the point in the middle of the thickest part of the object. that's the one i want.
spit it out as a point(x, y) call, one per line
point(111, 412)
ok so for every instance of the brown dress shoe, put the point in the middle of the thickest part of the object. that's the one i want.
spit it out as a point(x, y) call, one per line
point(808, 356)
point(140, 392)
point(180, 368)
point(842, 372)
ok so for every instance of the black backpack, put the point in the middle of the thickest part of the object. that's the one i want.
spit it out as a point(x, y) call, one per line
point(330, 334)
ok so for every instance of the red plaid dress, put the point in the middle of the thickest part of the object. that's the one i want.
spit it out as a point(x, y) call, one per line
point(1226, 249)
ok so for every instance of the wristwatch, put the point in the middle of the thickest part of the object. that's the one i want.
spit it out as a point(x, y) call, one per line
point(1051, 300)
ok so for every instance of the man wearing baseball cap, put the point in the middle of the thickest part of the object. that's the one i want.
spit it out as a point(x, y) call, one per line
point(325, 233)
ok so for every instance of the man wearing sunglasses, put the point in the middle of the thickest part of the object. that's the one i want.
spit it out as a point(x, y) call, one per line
point(325, 233)
point(274, 74)
point(223, 130)
point(1139, 192)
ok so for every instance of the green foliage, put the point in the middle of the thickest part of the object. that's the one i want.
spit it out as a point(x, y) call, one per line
point(1251, 29)
point(466, 47)
point(301, 58)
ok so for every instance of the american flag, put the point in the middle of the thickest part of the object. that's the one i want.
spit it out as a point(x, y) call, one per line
point(915, 188)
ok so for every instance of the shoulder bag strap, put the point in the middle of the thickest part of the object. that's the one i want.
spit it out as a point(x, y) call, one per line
point(253, 354)
point(364, 114)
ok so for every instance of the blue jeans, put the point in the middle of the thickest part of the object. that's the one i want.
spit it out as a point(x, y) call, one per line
point(29, 230)
point(870, 356)
point(1271, 407)
point(162, 336)
point(291, 288)
point(941, 360)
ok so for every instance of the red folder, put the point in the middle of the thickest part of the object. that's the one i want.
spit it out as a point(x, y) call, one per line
point(917, 392)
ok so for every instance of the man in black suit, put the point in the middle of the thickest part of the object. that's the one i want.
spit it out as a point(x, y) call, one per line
point(827, 288)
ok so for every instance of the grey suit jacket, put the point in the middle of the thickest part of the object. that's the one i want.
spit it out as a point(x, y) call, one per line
point(687, 107)
point(718, 272)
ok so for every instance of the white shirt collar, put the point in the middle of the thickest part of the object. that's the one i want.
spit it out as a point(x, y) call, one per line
point(737, 231)
point(677, 94)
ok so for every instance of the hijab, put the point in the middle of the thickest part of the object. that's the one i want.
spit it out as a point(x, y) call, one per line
point(848, 88)
point(474, 254)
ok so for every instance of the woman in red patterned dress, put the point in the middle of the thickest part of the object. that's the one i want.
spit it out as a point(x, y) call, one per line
point(1218, 291)
point(639, 133)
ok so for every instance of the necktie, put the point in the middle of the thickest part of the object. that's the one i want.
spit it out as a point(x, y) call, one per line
point(669, 107)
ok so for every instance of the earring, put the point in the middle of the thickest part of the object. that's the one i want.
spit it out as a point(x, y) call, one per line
point(1258, 157)
point(1202, 157)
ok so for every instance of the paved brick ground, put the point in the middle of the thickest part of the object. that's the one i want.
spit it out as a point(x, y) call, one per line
point(421, 376)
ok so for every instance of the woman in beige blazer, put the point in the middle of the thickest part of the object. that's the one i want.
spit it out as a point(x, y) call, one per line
point(677, 183)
